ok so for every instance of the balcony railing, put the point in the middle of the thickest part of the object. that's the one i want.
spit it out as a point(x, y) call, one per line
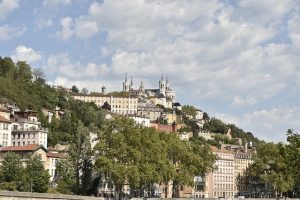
point(30, 129)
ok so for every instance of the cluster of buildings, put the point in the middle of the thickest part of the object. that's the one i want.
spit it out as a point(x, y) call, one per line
point(150, 107)
point(157, 108)
point(22, 133)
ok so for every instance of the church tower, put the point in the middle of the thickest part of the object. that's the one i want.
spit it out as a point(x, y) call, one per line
point(162, 85)
point(142, 88)
point(103, 89)
point(126, 86)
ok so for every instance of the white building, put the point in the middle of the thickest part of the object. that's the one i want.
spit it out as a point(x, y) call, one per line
point(5, 132)
point(145, 121)
point(26, 129)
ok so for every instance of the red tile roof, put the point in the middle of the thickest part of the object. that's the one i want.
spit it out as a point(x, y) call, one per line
point(29, 147)
point(55, 155)
point(4, 120)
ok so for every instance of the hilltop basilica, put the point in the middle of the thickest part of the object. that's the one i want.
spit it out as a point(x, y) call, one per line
point(163, 95)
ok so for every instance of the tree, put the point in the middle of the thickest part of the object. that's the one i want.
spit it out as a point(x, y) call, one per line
point(7, 67)
point(11, 171)
point(106, 106)
point(65, 176)
point(23, 71)
point(271, 166)
point(37, 179)
point(293, 160)
point(38, 75)
point(140, 156)
point(189, 110)
point(80, 157)
point(84, 91)
point(75, 89)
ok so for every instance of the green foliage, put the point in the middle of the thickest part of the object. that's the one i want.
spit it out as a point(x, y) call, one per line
point(65, 176)
point(141, 156)
point(293, 160)
point(217, 126)
point(271, 166)
point(80, 157)
point(189, 110)
point(223, 139)
point(9, 186)
point(11, 168)
point(36, 177)
point(75, 89)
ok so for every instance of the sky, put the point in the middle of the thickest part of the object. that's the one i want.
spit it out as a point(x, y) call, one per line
point(237, 60)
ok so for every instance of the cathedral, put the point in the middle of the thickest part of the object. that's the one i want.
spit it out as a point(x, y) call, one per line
point(163, 95)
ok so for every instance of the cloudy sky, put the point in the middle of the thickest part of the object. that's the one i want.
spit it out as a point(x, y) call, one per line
point(237, 60)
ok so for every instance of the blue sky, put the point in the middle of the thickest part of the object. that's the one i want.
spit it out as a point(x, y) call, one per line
point(236, 60)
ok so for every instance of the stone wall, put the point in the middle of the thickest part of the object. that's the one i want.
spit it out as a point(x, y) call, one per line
point(7, 195)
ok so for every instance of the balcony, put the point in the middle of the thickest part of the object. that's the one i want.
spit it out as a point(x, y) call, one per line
point(24, 120)
point(31, 129)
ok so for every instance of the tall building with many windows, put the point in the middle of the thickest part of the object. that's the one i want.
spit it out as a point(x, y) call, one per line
point(220, 183)
point(26, 129)
point(123, 105)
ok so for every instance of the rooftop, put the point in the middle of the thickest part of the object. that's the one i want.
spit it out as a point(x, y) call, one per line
point(4, 120)
point(29, 147)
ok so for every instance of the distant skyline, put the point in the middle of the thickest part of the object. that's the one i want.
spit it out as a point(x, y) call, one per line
point(238, 60)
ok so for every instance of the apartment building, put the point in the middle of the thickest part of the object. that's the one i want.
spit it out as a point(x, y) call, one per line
point(49, 159)
point(220, 183)
point(26, 129)
point(52, 159)
point(5, 132)
point(119, 104)
point(151, 111)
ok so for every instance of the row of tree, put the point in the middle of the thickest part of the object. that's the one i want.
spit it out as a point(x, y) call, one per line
point(129, 154)
point(277, 166)
point(31, 178)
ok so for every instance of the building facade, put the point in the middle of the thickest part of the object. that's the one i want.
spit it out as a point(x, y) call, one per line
point(5, 132)
point(26, 129)
point(220, 183)
point(121, 105)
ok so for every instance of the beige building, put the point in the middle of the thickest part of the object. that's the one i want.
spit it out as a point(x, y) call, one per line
point(220, 183)
point(150, 111)
point(52, 159)
point(243, 158)
point(121, 105)
point(49, 159)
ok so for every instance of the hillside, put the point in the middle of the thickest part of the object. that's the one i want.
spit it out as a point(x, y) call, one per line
point(27, 88)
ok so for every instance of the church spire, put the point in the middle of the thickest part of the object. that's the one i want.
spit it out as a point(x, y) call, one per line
point(126, 77)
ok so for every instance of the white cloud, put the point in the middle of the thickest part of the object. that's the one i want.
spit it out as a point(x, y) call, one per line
point(62, 65)
point(7, 6)
point(241, 56)
point(23, 53)
point(7, 32)
point(43, 23)
point(56, 2)
point(81, 28)
point(267, 124)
